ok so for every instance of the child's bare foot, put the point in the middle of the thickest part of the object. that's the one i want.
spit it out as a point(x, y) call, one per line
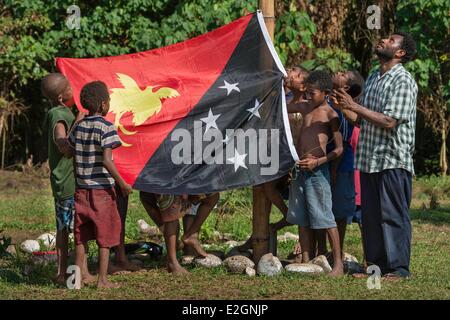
point(193, 242)
point(107, 285)
point(87, 279)
point(176, 268)
point(337, 271)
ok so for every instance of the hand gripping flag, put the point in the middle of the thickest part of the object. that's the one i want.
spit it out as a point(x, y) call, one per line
point(200, 116)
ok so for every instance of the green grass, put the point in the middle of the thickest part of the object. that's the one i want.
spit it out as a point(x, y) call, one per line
point(26, 210)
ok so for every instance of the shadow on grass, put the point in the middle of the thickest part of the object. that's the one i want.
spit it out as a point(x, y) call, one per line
point(437, 216)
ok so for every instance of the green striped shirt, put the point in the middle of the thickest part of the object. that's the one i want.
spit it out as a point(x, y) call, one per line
point(394, 94)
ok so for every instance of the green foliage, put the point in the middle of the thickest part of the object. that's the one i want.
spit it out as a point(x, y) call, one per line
point(293, 32)
point(333, 60)
point(429, 22)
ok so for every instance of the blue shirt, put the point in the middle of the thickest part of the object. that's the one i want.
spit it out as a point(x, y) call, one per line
point(346, 129)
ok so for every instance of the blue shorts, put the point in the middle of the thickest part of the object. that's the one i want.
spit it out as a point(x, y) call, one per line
point(65, 212)
point(356, 217)
point(310, 199)
point(343, 194)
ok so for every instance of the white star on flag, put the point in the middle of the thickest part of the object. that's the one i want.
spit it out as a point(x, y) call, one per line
point(255, 110)
point(230, 87)
point(210, 120)
point(238, 160)
point(227, 138)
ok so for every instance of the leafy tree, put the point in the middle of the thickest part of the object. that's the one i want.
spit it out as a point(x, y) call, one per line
point(429, 23)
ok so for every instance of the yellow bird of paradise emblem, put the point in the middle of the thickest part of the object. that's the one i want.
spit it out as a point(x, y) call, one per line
point(143, 104)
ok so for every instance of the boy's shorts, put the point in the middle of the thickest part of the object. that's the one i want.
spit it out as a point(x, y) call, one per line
point(310, 199)
point(64, 214)
point(172, 207)
point(96, 217)
point(356, 217)
point(343, 194)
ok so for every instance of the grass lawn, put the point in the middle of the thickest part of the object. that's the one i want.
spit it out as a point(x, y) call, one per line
point(26, 211)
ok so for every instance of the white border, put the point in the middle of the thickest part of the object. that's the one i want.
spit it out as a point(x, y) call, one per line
point(287, 125)
point(280, 66)
point(269, 42)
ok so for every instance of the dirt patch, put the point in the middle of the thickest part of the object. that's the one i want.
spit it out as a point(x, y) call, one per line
point(18, 236)
point(13, 182)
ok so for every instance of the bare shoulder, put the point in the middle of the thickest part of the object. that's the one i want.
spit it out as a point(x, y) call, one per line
point(332, 114)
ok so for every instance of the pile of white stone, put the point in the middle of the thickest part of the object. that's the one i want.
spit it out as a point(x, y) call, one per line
point(268, 265)
point(46, 241)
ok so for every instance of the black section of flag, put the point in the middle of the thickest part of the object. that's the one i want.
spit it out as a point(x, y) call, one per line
point(248, 96)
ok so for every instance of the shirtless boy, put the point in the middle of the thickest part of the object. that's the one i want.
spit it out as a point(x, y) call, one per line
point(310, 205)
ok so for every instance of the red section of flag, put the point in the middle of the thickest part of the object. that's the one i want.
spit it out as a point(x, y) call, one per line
point(189, 68)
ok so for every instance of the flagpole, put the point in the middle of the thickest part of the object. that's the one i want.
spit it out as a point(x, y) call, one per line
point(261, 204)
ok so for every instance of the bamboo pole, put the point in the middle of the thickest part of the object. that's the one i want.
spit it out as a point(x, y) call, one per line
point(261, 204)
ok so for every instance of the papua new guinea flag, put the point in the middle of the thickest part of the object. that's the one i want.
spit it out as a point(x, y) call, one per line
point(200, 116)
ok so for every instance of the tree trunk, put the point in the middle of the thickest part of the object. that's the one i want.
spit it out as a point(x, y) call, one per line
point(261, 204)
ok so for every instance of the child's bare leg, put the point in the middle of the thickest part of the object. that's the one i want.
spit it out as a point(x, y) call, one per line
point(190, 235)
point(62, 250)
point(122, 261)
point(103, 261)
point(187, 222)
point(321, 237)
point(170, 236)
point(81, 261)
point(275, 197)
point(305, 236)
point(342, 226)
point(338, 267)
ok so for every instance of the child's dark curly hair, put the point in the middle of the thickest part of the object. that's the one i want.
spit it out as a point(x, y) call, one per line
point(355, 83)
point(320, 78)
point(93, 94)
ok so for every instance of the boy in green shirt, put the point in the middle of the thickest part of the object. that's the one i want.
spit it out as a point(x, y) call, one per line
point(56, 88)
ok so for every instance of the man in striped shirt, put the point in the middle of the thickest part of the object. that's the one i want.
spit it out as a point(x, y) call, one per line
point(387, 119)
point(96, 215)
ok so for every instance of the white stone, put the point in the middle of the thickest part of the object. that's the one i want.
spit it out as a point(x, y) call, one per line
point(211, 261)
point(231, 243)
point(30, 246)
point(187, 260)
point(147, 229)
point(349, 257)
point(269, 265)
point(291, 236)
point(11, 250)
point(48, 240)
point(322, 261)
point(307, 268)
point(250, 272)
point(238, 263)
